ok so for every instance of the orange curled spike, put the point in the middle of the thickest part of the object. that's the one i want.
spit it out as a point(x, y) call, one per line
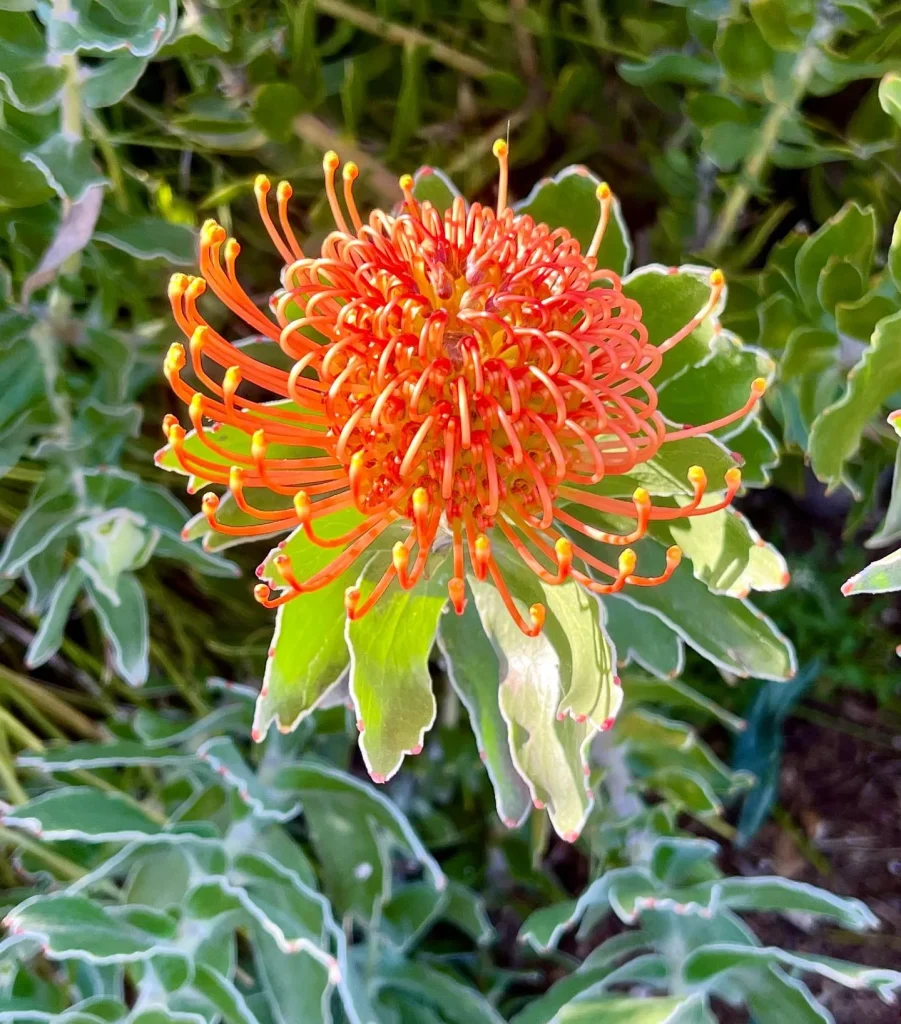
point(501, 151)
point(456, 591)
point(482, 556)
point(564, 551)
point(421, 513)
point(302, 507)
point(605, 199)
point(351, 601)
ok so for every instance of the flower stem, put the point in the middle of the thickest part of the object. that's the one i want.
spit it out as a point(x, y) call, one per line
point(756, 163)
point(402, 35)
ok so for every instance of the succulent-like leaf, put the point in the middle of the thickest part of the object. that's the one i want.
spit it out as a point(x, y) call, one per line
point(548, 753)
point(569, 200)
point(474, 672)
point(390, 682)
point(836, 434)
point(644, 638)
point(356, 869)
point(85, 814)
point(309, 652)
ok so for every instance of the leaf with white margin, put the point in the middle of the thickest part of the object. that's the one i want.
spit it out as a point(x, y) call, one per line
point(773, 996)
point(93, 1010)
point(586, 981)
point(474, 672)
point(218, 896)
point(222, 994)
point(390, 683)
point(459, 1004)
point(781, 895)
point(101, 755)
point(78, 812)
point(296, 987)
point(686, 791)
point(655, 743)
point(465, 909)
point(758, 451)
point(433, 186)
point(352, 828)
point(265, 803)
point(49, 637)
point(309, 652)
point(157, 1015)
point(713, 959)
point(549, 754)
point(569, 200)
point(614, 949)
point(283, 896)
point(626, 1010)
point(728, 631)
point(205, 856)
point(156, 730)
point(149, 238)
point(879, 577)
point(837, 432)
point(726, 552)
point(160, 877)
point(574, 625)
point(643, 638)
point(240, 690)
point(670, 298)
point(543, 927)
point(31, 82)
point(126, 625)
point(674, 694)
point(410, 913)
point(666, 474)
point(73, 927)
point(716, 385)
point(51, 514)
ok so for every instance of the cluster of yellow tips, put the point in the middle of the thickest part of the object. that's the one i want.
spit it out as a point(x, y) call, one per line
point(471, 374)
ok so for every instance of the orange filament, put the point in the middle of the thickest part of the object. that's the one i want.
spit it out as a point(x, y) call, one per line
point(472, 374)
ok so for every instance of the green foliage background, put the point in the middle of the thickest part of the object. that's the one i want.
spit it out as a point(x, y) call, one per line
point(164, 872)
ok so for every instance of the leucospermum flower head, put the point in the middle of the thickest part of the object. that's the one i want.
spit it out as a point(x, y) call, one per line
point(471, 375)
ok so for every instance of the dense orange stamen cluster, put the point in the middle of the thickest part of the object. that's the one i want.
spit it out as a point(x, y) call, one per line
point(465, 372)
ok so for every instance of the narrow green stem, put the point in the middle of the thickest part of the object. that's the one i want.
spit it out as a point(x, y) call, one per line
point(402, 35)
point(101, 137)
point(193, 699)
point(756, 163)
point(25, 474)
point(22, 734)
point(14, 790)
point(46, 703)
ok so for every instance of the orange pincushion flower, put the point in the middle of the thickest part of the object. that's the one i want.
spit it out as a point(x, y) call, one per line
point(466, 372)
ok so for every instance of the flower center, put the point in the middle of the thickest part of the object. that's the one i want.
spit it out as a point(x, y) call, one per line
point(474, 359)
